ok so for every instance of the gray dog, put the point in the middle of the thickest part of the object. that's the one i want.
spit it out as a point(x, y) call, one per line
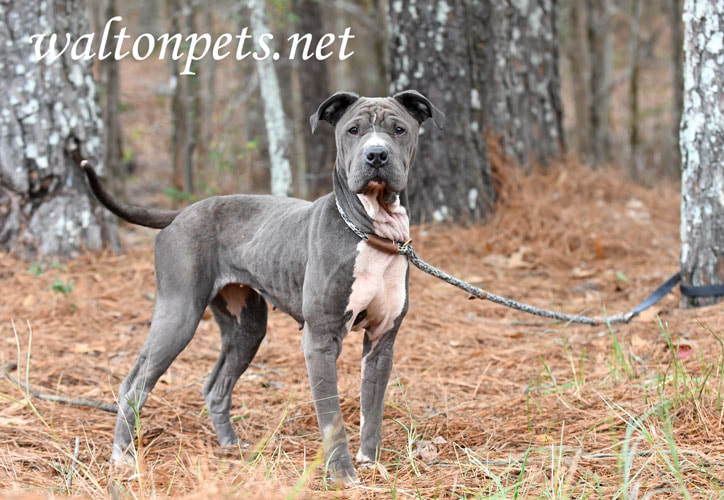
point(233, 252)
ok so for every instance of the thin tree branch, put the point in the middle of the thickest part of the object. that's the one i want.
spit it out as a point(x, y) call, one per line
point(109, 407)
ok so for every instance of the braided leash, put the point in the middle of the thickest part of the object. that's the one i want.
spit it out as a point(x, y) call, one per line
point(423, 266)
point(407, 250)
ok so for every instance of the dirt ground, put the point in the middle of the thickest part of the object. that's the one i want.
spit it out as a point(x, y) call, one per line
point(483, 401)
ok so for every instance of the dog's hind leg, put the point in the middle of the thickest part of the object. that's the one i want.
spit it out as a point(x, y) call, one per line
point(241, 314)
point(173, 325)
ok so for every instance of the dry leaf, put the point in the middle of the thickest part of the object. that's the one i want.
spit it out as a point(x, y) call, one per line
point(636, 209)
point(685, 347)
point(639, 343)
point(82, 348)
point(577, 272)
point(517, 260)
point(495, 260)
point(426, 451)
point(599, 248)
point(29, 301)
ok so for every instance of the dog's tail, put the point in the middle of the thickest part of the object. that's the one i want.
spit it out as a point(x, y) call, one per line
point(157, 219)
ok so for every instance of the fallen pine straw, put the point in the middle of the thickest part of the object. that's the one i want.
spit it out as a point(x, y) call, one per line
point(494, 385)
point(55, 398)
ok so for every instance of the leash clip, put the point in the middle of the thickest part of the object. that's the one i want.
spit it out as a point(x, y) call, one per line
point(404, 248)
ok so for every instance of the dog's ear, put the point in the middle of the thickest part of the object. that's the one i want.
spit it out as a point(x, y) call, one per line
point(332, 109)
point(420, 107)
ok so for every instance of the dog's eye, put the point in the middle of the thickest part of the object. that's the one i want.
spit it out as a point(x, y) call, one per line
point(399, 131)
point(353, 131)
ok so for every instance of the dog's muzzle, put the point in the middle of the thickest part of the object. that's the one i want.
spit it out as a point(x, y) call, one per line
point(376, 156)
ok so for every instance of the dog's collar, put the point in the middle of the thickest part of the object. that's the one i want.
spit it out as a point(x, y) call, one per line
point(378, 242)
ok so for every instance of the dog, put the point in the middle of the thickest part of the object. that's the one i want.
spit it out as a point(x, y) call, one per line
point(235, 253)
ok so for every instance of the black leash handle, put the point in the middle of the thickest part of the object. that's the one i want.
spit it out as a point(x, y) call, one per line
point(702, 291)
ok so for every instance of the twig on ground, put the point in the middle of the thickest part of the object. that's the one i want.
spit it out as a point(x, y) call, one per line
point(69, 474)
point(593, 456)
point(109, 407)
point(260, 366)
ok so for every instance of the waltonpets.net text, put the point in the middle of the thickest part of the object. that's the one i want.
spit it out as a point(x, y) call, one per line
point(194, 47)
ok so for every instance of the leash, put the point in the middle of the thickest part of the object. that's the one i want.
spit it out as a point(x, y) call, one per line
point(405, 248)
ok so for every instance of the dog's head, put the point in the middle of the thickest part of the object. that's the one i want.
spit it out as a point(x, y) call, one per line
point(376, 137)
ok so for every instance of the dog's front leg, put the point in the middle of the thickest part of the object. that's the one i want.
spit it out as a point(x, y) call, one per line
point(377, 358)
point(321, 350)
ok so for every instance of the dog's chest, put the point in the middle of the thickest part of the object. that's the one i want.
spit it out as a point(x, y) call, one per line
point(379, 290)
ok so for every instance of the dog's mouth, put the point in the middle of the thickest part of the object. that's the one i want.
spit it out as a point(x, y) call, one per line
point(375, 183)
point(377, 188)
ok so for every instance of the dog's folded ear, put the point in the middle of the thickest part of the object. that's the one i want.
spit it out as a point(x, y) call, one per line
point(332, 109)
point(420, 107)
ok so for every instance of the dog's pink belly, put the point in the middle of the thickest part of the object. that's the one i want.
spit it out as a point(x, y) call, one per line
point(378, 288)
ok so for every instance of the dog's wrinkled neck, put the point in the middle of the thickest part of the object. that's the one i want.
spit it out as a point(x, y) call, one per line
point(349, 202)
point(373, 212)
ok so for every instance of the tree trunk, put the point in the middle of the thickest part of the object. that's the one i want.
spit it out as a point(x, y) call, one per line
point(523, 104)
point(110, 105)
point(48, 120)
point(314, 82)
point(276, 125)
point(492, 67)
point(148, 22)
point(702, 148)
point(634, 134)
point(210, 82)
point(600, 44)
point(432, 49)
point(578, 56)
point(191, 104)
point(677, 70)
point(178, 116)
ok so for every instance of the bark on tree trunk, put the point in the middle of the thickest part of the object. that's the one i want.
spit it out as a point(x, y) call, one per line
point(276, 126)
point(677, 69)
point(523, 104)
point(492, 67)
point(210, 83)
point(48, 118)
point(148, 22)
point(110, 105)
point(600, 44)
point(433, 49)
point(702, 148)
point(178, 117)
point(578, 56)
point(314, 82)
point(634, 135)
point(189, 89)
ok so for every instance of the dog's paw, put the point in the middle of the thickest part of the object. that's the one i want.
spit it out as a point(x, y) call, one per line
point(345, 478)
point(229, 440)
point(121, 460)
point(343, 474)
point(363, 459)
point(367, 464)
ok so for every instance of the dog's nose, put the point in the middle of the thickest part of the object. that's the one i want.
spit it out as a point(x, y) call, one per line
point(376, 156)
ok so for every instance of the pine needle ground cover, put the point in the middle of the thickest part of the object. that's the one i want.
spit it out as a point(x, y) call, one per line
point(483, 402)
